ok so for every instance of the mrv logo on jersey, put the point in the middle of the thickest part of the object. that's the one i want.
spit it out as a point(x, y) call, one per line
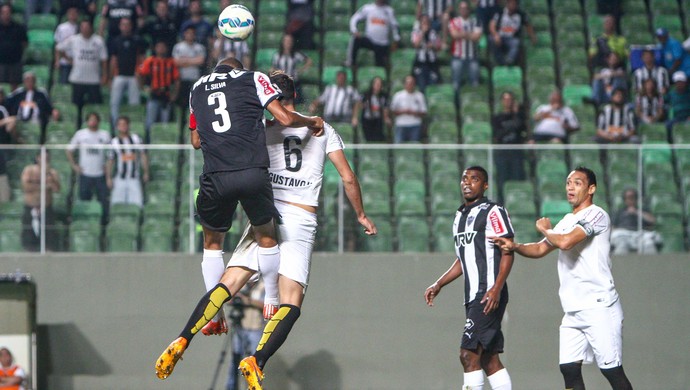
point(465, 238)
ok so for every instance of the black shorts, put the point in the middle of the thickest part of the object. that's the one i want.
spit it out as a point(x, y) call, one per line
point(219, 193)
point(86, 94)
point(11, 73)
point(484, 329)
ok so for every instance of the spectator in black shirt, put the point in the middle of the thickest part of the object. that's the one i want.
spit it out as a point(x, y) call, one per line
point(13, 41)
point(8, 135)
point(300, 23)
point(31, 104)
point(128, 50)
point(113, 11)
point(375, 112)
point(162, 27)
point(509, 127)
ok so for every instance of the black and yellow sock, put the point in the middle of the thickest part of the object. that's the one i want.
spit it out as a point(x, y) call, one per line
point(205, 310)
point(276, 332)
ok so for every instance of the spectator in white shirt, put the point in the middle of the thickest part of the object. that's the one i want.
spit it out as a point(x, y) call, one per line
point(380, 25)
point(63, 31)
point(189, 56)
point(92, 161)
point(88, 54)
point(554, 121)
point(409, 107)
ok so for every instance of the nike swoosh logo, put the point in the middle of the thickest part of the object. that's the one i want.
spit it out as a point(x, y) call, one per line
point(607, 363)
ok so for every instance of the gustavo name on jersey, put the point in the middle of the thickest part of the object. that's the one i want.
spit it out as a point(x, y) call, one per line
point(288, 181)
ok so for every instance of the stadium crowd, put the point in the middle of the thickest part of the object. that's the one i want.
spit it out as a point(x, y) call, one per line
point(427, 71)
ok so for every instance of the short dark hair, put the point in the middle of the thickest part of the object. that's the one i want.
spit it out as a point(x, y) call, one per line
point(123, 118)
point(285, 83)
point(591, 176)
point(480, 169)
point(231, 62)
point(93, 113)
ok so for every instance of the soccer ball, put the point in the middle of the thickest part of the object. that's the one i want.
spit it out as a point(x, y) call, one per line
point(236, 23)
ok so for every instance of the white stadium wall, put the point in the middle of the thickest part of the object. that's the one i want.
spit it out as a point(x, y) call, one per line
point(104, 319)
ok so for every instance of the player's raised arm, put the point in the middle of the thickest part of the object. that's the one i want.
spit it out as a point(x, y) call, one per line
point(352, 190)
point(294, 119)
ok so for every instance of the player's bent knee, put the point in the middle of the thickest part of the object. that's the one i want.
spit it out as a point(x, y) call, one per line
point(572, 375)
point(469, 360)
point(617, 378)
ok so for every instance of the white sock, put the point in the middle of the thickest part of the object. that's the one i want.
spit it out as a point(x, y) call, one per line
point(269, 263)
point(500, 380)
point(212, 268)
point(473, 380)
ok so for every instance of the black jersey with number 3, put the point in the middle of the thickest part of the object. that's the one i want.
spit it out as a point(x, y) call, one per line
point(227, 110)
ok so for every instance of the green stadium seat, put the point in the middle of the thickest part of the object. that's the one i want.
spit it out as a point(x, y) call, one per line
point(507, 76)
point(366, 73)
point(542, 56)
point(10, 238)
point(524, 228)
point(158, 240)
point(122, 235)
point(573, 94)
point(272, 7)
point(443, 132)
point(477, 133)
point(330, 72)
point(540, 22)
point(87, 210)
point(376, 203)
point(413, 234)
point(42, 22)
point(442, 236)
point(555, 210)
point(124, 213)
point(383, 240)
point(263, 59)
point(81, 241)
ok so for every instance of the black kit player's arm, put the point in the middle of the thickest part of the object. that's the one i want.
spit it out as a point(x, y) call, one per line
point(454, 272)
point(293, 119)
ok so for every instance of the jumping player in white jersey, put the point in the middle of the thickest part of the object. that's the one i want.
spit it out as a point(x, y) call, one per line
point(486, 270)
point(297, 165)
point(592, 326)
point(227, 124)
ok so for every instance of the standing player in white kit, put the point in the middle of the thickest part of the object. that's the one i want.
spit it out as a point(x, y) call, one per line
point(592, 326)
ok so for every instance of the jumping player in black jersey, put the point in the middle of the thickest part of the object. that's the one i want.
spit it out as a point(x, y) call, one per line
point(486, 269)
point(227, 124)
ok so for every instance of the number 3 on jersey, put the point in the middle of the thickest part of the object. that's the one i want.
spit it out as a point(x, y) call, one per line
point(218, 98)
point(289, 165)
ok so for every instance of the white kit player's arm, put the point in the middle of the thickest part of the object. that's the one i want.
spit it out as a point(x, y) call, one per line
point(563, 241)
point(352, 189)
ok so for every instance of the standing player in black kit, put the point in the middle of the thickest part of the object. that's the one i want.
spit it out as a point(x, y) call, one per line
point(486, 269)
point(227, 124)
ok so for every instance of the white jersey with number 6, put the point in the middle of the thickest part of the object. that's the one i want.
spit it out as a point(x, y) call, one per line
point(297, 161)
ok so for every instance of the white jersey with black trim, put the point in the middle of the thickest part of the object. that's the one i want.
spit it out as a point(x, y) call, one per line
point(585, 270)
point(297, 161)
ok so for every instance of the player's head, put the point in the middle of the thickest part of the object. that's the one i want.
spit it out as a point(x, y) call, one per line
point(474, 182)
point(618, 96)
point(630, 197)
point(92, 120)
point(161, 48)
point(122, 124)
point(580, 186)
point(5, 357)
point(231, 62)
point(286, 85)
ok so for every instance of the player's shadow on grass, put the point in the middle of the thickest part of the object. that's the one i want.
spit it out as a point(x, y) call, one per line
point(64, 352)
point(317, 371)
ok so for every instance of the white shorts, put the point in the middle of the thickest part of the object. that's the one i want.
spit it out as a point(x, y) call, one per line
point(296, 233)
point(127, 191)
point(593, 334)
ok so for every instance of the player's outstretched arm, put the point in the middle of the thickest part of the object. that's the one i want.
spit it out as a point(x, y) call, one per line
point(532, 250)
point(454, 272)
point(293, 119)
point(352, 190)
